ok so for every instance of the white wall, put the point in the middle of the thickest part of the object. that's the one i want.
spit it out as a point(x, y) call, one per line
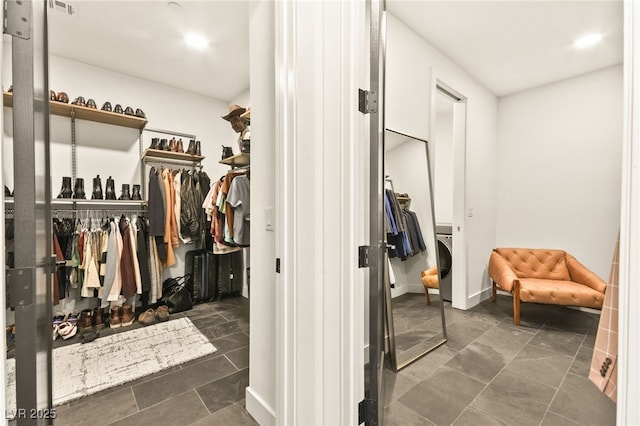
point(443, 161)
point(110, 150)
point(559, 167)
point(261, 393)
point(412, 67)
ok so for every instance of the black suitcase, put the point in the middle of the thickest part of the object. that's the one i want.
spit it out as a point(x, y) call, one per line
point(203, 284)
point(228, 273)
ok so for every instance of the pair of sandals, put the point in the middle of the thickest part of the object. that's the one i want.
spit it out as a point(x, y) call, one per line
point(65, 329)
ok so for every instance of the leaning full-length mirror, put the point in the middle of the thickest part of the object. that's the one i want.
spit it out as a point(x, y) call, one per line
point(415, 312)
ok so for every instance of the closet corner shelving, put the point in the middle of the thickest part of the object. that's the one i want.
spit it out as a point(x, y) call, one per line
point(238, 160)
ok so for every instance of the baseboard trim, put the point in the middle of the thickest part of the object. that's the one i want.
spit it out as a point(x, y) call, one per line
point(477, 298)
point(259, 409)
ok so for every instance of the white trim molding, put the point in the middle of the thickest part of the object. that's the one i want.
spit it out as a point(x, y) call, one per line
point(319, 210)
point(628, 410)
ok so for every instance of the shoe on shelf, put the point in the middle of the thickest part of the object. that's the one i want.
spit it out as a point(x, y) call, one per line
point(118, 109)
point(106, 107)
point(98, 318)
point(96, 194)
point(197, 150)
point(59, 318)
point(53, 96)
point(79, 101)
point(148, 317)
point(163, 145)
point(66, 330)
point(125, 195)
point(110, 189)
point(154, 143)
point(78, 189)
point(129, 111)
point(140, 113)
point(172, 145)
point(86, 321)
point(162, 313)
point(73, 317)
point(136, 193)
point(65, 191)
point(128, 316)
point(180, 147)
point(62, 97)
point(91, 104)
point(114, 318)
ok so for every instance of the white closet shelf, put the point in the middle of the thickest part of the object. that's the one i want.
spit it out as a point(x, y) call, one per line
point(89, 114)
point(158, 155)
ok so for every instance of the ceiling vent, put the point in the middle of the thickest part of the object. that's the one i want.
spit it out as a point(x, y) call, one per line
point(67, 8)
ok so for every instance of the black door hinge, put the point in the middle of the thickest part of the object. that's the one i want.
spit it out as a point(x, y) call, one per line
point(366, 411)
point(363, 257)
point(278, 265)
point(367, 101)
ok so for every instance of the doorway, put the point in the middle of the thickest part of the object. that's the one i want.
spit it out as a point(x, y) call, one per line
point(449, 118)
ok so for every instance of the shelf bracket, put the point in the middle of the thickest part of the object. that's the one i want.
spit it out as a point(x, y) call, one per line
point(17, 18)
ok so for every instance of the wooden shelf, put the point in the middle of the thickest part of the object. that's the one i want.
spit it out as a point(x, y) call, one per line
point(89, 114)
point(238, 160)
point(159, 155)
point(246, 114)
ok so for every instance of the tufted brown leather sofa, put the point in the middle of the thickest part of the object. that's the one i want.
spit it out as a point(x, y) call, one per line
point(544, 276)
point(430, 280)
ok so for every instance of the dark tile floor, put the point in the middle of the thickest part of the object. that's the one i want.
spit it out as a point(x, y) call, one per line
point(491, 372)
point(206, 391)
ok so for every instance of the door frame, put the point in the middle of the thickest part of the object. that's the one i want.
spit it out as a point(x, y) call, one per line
point(459, 278)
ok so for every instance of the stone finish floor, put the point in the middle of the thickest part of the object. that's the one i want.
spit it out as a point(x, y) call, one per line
point(490, 372)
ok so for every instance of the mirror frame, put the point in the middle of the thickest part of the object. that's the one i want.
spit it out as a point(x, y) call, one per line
point(395, 365)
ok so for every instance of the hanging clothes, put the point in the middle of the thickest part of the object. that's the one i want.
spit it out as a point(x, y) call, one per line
point(238, 199)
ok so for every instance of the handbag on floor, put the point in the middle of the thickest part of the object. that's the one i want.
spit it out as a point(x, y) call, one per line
point(176, 295)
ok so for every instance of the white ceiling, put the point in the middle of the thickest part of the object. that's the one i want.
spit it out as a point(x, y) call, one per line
point(508, 46)
point(144, 39)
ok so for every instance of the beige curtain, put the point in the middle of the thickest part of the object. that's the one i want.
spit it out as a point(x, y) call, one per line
point(604, 370)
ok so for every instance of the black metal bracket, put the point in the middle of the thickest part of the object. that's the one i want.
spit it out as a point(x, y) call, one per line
point(363, 256)
point(278, 265)
point(366, 410)
point(21, 283)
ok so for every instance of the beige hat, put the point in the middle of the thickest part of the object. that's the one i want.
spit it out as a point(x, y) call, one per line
point(234, 110)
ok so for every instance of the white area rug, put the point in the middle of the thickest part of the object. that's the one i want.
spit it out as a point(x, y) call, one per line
point(83, 369)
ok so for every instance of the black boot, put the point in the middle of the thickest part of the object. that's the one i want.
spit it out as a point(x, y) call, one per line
point(78, 189)
point(136, 193)
point(154, 143)
point(192, 147)
point(164, 145)
point(97, 189)
point(65, 191)
point(197, 149)
point(125, 192)
point(110, 189)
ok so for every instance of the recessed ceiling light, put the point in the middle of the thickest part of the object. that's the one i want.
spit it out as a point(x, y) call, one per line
point(196, 41)
point(587, 40)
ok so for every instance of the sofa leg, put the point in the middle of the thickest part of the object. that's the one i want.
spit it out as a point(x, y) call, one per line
point(494, 294)
point(516, 302)
point(426, 296)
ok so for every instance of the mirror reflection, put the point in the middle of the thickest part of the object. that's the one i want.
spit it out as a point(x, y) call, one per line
point(415, 313)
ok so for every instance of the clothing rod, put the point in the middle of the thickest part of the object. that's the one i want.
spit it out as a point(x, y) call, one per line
point(186, 163)
point(170, 132)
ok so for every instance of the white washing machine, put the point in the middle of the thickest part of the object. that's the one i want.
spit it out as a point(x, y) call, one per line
point(445, 254)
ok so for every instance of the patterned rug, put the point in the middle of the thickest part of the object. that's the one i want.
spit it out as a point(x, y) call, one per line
point(84, 369)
